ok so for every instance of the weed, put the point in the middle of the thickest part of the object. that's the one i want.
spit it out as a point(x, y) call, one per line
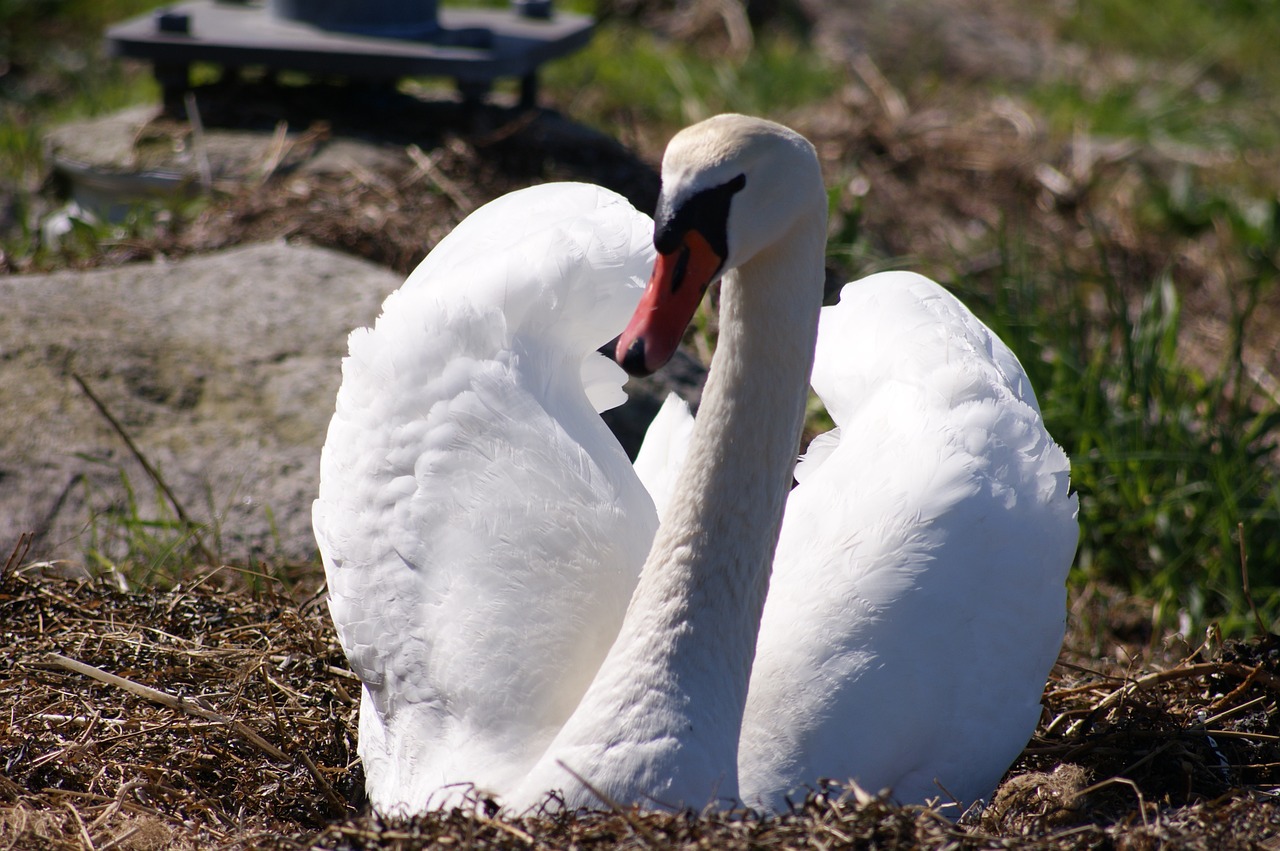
point(140, 549)
point(1169, 463)
point(1202, 75)
point(628, 77)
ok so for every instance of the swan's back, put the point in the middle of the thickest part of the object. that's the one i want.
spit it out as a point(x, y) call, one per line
point(480, 528)
point(917, 601)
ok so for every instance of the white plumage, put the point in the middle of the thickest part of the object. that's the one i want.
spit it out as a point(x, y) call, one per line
point(481, 528)
point(483, 533)
point(917, 599)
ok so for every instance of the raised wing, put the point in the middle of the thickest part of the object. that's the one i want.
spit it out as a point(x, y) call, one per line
point(481, 530)
point(917, 600)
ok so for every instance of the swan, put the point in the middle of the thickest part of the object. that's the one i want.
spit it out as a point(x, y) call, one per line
point(521, 622)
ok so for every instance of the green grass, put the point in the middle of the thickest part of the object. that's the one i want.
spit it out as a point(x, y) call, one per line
point(1173, 464)
point(1170, 464)
point(1238, 35)
point(1194, 71)
point(57, 72)
point(57, 69)
point(158, 544)
point(628, 74)
point(143, 548)
point(1178, 469)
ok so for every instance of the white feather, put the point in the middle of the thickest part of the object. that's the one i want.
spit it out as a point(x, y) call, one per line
point(481, 529)
point(917, 594)
point(483, 534)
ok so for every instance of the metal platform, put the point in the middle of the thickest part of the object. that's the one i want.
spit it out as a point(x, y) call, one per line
point(474, 47)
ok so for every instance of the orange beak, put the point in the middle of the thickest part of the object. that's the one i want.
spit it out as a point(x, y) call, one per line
point(675, 289)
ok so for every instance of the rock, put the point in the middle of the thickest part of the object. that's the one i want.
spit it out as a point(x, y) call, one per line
point(222, 369)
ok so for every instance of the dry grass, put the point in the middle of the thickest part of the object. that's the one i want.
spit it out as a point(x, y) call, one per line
point(193, 718)
point(207, 718)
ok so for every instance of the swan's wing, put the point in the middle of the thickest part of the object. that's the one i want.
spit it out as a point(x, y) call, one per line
point(481, 530)
point(917, 601)
point(665, 447)
point(602, 379)
point(820, 449)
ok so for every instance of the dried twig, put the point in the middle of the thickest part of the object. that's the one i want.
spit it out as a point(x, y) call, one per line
point(498, 824)
point(81, 829)
point(275, 153)
point(426, 165)
point(20, 550)
point(129, 833)
point(1244, 582)
point(335, 801)
point(627, 813)
point(892, 103)
point(151, 471)
point(169, 700)
point(198, 142)
point(1153, 679)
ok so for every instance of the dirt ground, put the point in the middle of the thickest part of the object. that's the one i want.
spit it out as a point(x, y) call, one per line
point(207, 717)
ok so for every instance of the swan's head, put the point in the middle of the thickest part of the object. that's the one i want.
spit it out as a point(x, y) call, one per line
point(732, 187)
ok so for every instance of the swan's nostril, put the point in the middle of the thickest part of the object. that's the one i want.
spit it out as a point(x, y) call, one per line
point(632, 360)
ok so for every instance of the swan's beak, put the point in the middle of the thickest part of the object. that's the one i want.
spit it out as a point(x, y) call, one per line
point(675, 289)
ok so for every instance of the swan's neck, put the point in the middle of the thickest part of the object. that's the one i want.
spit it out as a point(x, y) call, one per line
point(708, 570)
point(667, 703)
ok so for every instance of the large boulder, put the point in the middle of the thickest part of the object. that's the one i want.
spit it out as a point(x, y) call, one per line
point(221, 369)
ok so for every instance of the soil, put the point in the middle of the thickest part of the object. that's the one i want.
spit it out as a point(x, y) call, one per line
point(209, 717)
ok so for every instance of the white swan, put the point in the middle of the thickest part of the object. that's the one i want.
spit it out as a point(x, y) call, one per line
point(482, 533)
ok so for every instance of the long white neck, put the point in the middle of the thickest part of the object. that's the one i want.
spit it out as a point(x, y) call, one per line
point(660, 722)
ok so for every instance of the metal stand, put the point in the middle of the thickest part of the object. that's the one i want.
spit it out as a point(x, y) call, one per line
point(474, 47)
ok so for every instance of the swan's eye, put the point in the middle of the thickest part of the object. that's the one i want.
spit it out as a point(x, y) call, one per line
point(706, 212)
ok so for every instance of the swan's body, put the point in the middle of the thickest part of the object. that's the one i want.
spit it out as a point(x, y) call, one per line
point(483, 534)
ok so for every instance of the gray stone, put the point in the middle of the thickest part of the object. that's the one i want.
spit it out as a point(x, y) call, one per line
point(222, 369)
